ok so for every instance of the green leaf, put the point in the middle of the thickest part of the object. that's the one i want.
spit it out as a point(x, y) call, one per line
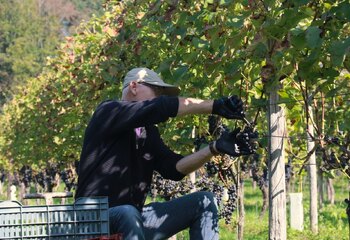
point(307, 64)
point(300, 2)
point(236, 22)
point(232, 67)
point(308, 11)
point(164, 66)
point(180, 32)
point(332, 93)
point(330, 174)
point(260, 50)
point(180, 72)
point(342, 11)
point(290, 18)
point(298, 38)
point(283, 94)
point(259, 102)
point(338, 50)
point(347, 62)
point(273, 30)
point(225, 2)
point(313, 38)
point(330, 74)
point(199, 43)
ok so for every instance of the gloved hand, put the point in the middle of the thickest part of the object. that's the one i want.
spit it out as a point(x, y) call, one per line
point(235, 143)
point(229, 107)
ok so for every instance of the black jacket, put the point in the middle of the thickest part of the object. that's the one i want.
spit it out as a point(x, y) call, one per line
point(118, 163)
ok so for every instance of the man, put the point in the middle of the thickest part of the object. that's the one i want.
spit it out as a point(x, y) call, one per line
point(122, 148)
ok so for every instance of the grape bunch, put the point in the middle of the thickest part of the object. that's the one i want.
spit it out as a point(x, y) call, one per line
point(39, 178)
point(2, 175)
point(50, 178)
point(259, 178)
point(216, 126)
point(205, 183)
point(337, 156)
point(211, 168)
point(26, 175)
point(332, 161)
point(168, 189)
point(226, 174)
point(332, 139)
point(47, 178)
point(249, 135)
point(69, 179)
point(218, 191)
point(288, 170)
point(231, 204)
point(199, 141)
point(225, 196)
point(156, 185)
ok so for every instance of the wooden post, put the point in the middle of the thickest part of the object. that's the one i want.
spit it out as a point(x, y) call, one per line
point(1, 187)
point(13, 194)
point(241, 210)
point(9, 184)
point(320, 187)
point(192, 175)
point(330, 191)
point(276, 165)
point(312, 175)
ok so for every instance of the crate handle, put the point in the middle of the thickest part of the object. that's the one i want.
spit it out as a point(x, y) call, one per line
point(48, 196)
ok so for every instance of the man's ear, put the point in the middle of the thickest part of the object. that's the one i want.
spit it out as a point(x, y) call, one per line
point(133, 87)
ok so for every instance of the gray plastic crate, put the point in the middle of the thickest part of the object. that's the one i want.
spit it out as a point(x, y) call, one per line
point(86, 218)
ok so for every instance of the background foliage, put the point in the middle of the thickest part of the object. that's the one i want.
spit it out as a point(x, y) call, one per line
point(209, 48)
point(30, 31)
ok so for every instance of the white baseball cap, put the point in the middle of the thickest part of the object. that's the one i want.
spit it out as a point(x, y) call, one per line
point(145, 75)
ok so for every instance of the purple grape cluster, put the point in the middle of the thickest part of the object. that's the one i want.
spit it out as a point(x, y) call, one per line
point(231, 204)
point(336, 154)
point(26, 175)
point(69, 178)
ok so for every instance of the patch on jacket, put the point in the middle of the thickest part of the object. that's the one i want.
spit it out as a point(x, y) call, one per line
point(147, 156)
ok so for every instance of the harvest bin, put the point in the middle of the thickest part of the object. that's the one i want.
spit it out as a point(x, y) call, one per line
point(85, 219)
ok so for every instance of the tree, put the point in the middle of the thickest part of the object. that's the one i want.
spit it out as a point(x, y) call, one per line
point(270, 49)
point(30, 31)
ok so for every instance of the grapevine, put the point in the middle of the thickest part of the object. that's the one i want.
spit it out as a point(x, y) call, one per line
point(69, 178)
point(337, 156)
point(26, 175)
point(217, 176)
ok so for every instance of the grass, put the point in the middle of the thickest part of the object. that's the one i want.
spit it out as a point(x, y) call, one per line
point(333, 222)
point(332, 219)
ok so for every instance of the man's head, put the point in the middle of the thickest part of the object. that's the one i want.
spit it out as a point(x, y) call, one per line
point(138, 79)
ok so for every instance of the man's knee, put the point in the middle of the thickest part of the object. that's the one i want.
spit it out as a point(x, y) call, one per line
point(123, 211)
point(208, 201)
point(124, 218)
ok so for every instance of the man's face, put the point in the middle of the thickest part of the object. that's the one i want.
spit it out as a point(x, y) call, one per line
point(158, 90)
point(146, 91)
point(140, 91)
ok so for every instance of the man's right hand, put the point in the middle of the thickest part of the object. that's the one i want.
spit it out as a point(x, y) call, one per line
point(234, 144)
point(229, 107)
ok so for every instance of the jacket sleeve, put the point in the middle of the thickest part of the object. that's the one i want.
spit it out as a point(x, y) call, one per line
point(112, 117)
point(166, 159)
